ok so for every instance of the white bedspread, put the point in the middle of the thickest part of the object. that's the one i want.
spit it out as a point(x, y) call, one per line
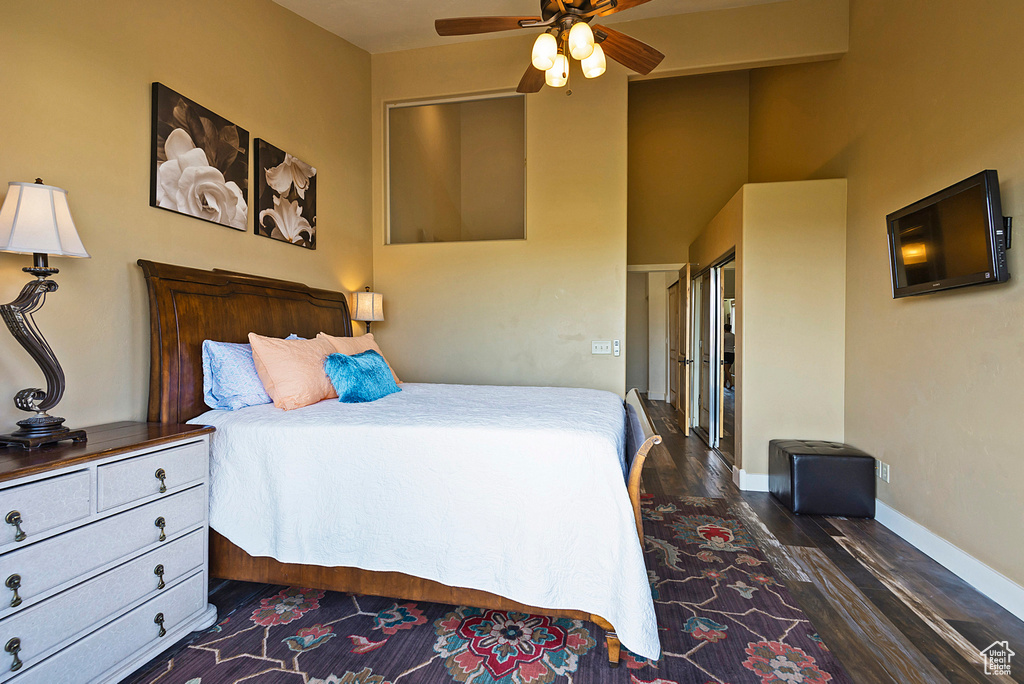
point(518, 491)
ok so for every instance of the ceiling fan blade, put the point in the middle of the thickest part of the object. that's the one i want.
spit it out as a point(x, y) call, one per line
point(532, 81)
point(622, 5)
point(629, 52)
point(464, 26)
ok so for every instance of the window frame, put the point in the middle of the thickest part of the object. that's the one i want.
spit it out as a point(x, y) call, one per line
point(454, 99)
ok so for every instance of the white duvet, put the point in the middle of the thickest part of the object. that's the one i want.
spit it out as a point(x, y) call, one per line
point(519, 491)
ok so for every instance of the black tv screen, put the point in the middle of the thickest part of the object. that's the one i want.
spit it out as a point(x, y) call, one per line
point(951, 239)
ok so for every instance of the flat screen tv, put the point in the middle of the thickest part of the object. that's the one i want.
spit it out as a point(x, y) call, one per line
point(952, 239)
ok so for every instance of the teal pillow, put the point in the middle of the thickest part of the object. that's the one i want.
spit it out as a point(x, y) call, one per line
point(360, 377)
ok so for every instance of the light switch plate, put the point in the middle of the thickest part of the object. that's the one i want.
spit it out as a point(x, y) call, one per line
point(601, 347)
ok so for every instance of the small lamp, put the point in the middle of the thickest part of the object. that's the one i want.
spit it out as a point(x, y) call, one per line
point(35, 219)
point(369, 307)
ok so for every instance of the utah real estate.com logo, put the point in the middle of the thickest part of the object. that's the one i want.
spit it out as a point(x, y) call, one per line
point(997, 658)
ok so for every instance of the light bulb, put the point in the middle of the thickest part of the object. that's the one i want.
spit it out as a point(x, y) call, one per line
point(545, 49)
point(581, 41)
point(595, 64)
point(558, 75)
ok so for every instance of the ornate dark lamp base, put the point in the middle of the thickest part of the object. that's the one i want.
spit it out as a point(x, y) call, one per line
point(40, 430)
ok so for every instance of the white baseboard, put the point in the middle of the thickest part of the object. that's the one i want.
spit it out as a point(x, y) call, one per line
point(749, 482)
point(989, 582)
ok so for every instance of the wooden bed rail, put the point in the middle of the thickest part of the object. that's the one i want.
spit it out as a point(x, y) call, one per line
point(640, 439)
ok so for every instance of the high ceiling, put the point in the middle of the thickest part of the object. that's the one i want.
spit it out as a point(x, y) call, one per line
point(389, 25)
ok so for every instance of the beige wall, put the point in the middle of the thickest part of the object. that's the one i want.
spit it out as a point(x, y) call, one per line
point(525, 312)
point(636, 331)
point(657, 334)
point(934, 384)
point(687, 156)
point(512, 312)
point(792, 316)
point(76, 112)
point(790, 246)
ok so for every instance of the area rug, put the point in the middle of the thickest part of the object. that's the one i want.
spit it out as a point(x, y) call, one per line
point(722, 616)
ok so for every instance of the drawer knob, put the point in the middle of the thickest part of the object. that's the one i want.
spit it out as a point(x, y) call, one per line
point(14, 583)
point(159, 572)
point(159, 620)
point(12, 647)
point(161, 475)
point(161, 523)
point(14, 518)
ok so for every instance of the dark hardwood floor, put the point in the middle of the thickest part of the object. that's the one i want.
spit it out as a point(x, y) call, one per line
point(890, 613)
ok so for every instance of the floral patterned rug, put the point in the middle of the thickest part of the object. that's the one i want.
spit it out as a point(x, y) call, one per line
point(723, 618)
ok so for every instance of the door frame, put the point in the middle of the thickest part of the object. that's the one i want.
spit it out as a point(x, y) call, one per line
point(715, 343)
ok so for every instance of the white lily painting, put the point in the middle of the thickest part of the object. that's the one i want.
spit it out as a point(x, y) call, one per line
point(285, 196)
point(200, 161)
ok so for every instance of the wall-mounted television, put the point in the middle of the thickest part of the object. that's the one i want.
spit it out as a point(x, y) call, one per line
point(953, 238)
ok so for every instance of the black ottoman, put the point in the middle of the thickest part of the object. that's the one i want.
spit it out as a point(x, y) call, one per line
point(822, 478)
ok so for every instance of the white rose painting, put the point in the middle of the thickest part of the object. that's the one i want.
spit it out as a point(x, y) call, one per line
point(200, 161)
point(285, 196)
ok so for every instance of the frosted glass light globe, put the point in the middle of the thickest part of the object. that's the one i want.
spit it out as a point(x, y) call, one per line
point(595, 64)
point(545, 49)
point(581, 41)
point(558, 75)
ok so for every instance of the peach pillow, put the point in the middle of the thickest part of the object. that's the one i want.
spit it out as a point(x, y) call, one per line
point(354, 345)
point(292, 371)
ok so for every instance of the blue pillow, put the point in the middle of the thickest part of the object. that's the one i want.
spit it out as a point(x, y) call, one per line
point(230, 381)
point(360, 377)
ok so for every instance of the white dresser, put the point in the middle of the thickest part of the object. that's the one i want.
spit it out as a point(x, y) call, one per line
point(103, 552)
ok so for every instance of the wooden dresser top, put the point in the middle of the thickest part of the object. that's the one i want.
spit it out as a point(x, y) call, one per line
point(104, 440)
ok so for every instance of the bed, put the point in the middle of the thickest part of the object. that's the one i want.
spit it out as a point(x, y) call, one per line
point(450, 472)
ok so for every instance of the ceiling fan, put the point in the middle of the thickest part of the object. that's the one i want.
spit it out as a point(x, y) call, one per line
point(567, 33)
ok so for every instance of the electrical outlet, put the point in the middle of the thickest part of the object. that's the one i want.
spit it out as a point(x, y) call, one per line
point(884, 472)
point(615, 346)
point(601, 347)
point(878, 469)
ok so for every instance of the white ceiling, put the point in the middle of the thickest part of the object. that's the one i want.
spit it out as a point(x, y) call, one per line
point(389, 25)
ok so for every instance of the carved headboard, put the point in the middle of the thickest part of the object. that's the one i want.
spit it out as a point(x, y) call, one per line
point(188, 305)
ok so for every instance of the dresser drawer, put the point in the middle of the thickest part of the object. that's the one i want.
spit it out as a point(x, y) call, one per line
point(137, 478)
point(91, 656)
point(57, 619)
point(43, 505)
point(54, 561)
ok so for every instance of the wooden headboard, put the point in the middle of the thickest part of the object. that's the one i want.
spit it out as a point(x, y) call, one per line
point(188, 305)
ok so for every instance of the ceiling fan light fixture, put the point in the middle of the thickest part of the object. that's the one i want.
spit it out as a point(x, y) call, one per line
point(558, 75)
point(595, 64)
point(545, 49)
point(581, 41)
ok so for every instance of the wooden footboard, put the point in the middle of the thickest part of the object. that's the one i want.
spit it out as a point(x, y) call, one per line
point(640, 439)
point(228, 561)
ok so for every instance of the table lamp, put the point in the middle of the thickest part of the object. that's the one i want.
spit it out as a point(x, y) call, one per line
point(35, 219)
point(369, 307)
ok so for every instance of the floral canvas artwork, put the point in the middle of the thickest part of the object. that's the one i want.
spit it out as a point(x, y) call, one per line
point(200, 161)
point(285, 196)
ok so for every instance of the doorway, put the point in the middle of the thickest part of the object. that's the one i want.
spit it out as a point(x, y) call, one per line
point(711, 313)
point(727, 416)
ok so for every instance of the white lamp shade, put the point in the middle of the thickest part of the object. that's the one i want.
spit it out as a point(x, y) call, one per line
point(544, 51)
point(369, 306)
point(595, 64)
point(35, 219)
point(558, 75)
point(581, 41)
